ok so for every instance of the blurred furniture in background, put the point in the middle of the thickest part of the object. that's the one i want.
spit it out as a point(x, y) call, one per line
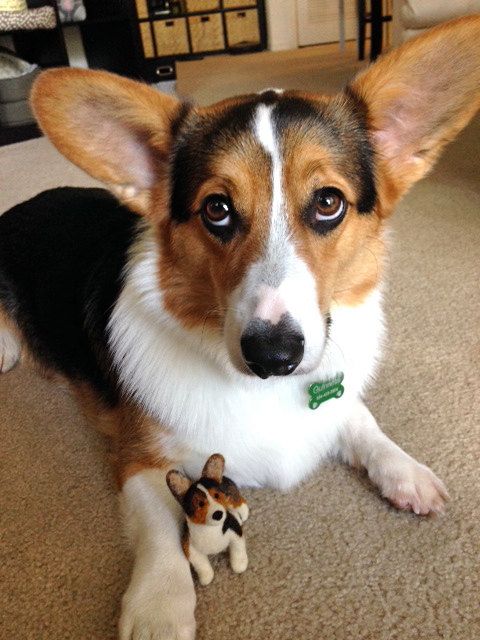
point(35, 37)
point(137, 38)
point(189, 29)
point(411, 17)
point(375, 16)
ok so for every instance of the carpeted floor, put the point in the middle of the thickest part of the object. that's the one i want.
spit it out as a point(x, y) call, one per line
point(337, 563)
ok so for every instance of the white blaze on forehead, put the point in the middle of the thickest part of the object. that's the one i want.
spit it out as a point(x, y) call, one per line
point(278, 249)
point(202, 488)
point(264, 129)
point(279, 283)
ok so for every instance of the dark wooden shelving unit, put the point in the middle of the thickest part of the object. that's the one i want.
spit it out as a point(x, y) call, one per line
point(114, 38)
point(202, 28)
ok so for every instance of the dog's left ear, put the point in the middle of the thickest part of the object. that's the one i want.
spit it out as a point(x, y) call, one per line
point(117, 130)
point(214, 467)
point(418, 97)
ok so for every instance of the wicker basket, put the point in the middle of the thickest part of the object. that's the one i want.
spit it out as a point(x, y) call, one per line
point(13, 5)
point(202, 5)
point(242, 28)
point(206, 33)
point(234, 4)
point(29, 20)
point(142, 8)
point(171, 36)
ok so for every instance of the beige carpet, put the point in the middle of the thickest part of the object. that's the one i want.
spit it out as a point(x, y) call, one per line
point(330, 561)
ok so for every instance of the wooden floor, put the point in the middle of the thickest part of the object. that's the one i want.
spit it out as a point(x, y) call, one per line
point(321, 68)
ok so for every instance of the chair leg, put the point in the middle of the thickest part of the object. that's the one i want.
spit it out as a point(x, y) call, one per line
point(361, 28)
point(376, 40)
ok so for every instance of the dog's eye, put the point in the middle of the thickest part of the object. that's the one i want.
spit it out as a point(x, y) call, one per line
point(327, 209)
point(201, 503)
point(219, 216)
point(216, 496)
point(216, 211)
point(329, 203)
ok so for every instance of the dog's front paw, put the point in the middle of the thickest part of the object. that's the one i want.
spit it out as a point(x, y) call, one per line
point(158, 607)
point(411, 486)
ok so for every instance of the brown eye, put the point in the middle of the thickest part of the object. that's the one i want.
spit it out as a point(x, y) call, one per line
point(325, 210)
point(330, 204)
point(216, 496)
point(216, 211)
point(201, 503)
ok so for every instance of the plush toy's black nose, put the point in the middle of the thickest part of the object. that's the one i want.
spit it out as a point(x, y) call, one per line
point(272, 350)
point(217, 515)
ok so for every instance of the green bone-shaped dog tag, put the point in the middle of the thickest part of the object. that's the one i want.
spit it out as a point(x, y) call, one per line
point(322, 391)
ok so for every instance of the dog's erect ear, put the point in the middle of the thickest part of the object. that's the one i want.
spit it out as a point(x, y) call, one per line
point(117, 130)
point(214, 467)
point(178, 484)
point(419, 96)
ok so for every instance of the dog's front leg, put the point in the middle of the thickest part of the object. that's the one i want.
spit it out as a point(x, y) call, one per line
point(160, 600)
point(406, 483)
point(238, 554)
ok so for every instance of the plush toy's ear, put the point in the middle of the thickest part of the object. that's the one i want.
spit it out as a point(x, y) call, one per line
point(214, 467)
point(117, 130)
point(178, 484)
point(419, 96)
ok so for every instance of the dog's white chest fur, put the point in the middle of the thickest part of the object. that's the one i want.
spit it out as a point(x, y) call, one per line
point(264, 428)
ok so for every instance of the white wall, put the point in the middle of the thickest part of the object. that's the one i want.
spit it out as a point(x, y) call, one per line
point(294, 23)
point(282, 24)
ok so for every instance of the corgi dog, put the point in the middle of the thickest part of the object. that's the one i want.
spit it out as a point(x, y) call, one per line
point(215, 511)
point(234, 261)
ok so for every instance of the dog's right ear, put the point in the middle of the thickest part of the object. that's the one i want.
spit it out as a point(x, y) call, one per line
point(117, 130)
point(178, 484)
point(214, 467)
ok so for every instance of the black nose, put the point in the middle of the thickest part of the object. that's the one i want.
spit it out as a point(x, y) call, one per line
point(272, 350)
point(217, 515)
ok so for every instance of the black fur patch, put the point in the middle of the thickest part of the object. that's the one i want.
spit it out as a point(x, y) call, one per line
point(61, 260)
point(232, 523)
point(365, 151)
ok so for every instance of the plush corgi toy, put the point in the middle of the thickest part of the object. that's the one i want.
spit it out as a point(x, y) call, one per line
point(215, 511)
